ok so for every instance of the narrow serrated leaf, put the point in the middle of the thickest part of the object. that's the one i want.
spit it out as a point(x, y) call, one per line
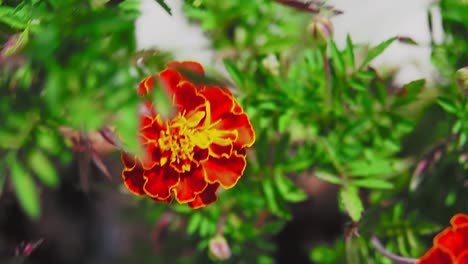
point(287, 188)
point(350, 51)
point(43, 168)
point(351, 201)
point(336, 58)
point(194, 223)
point(328, 177)
point(233, 71)
point(25, 189)
point(373, 183)
point(377, 50)
point(447, 104)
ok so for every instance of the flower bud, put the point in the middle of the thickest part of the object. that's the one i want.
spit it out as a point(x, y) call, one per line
point(219, 248)
point(271, 64)
point(462, 79)
point(321, 30)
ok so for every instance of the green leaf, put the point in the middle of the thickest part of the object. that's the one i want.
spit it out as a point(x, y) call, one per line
point(163, 4)
point(414, 87)
point(43, 168)
point(283, 122)
point(447, 104)
point(357, 85)
point(272, 202)
point(370, 167)
point(234, 72)
point(268, 105)
point(349, 197)
point(377, 50)
point(130, 5)
point(288, 189)
point(11, 17)
point(350, 51)
point(25, 189)
point(194, 223)
point(328, 177)
point(18, 42)
point(336, 58)
point(373, 183)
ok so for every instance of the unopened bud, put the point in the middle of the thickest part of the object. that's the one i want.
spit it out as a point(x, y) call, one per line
point(219, 248)
point(271, 64)
point(462, 79)
point(321, 30)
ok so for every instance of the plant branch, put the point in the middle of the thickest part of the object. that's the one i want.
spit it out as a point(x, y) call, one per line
point(395, 258)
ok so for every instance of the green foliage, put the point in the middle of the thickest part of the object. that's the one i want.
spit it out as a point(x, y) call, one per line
point(62, 67)
point(319, 113)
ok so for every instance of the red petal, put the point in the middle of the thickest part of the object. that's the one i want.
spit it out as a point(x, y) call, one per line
point(208, 196)
point(436, 256)
point(146, 86)
point(146, 113)
point(200, 155)
point(240, 123)
point(453, 239)
point(160, 182)
point(191, 184)
point(225, 171)
point(152, 156)
point(192, 66)
point(187, 98)
point(132, 174)
point(459, 219)
point(237, 107)
point(168, 200)
point(218, 151)
point(221, 102)
point(152, 130)
point(463, 258)
point(169, 80)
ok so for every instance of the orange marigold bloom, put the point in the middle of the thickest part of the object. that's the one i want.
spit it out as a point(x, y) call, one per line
point(450, 245)
point(200, 147)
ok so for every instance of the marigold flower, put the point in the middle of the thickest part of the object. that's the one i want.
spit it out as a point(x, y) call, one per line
point(200, 147)
point(450, 245)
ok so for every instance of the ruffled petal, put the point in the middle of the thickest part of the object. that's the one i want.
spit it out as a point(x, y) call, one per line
point(191, 66)
point(221, 102)
point(200, 155)
point(146, 113)
point(152, 156)
point(219, 151)
point(160, 181)
point(146, 86)
point(132, 174)
point(241, 124)
point(225, 171)
point(463, 258)
point(187, 98)
point(237, 109)
point(455, 240)
point(459, 219)
point(191, 184)
point(168, 200)
point(208, 196)
point(436, 256)
point(169, 80)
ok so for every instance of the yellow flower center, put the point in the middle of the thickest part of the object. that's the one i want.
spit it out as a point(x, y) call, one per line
point(183, 134)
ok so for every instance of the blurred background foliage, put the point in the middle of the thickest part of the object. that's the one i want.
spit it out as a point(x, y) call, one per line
point(393, 160)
